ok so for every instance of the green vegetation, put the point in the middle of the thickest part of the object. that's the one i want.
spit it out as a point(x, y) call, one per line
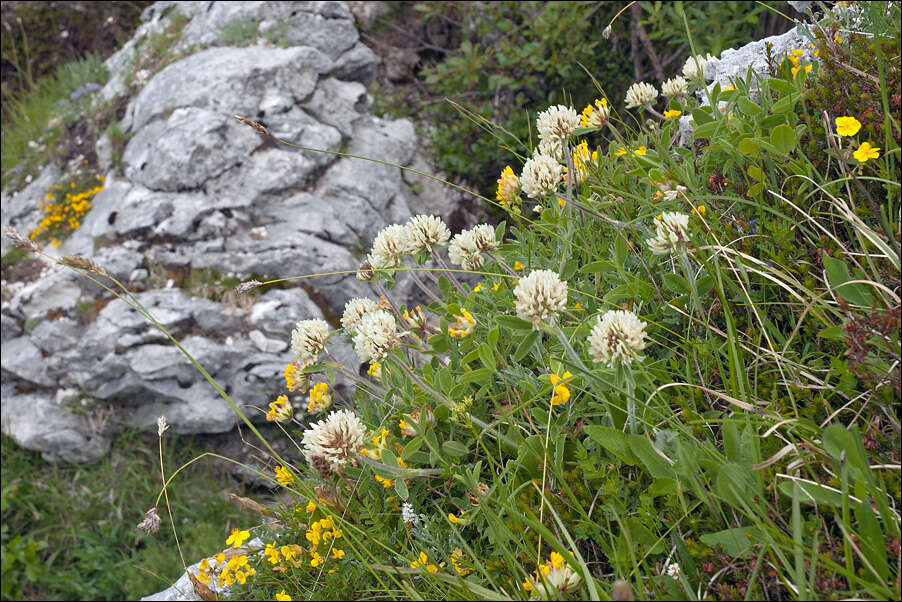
point(238, 32)
point(69, 531)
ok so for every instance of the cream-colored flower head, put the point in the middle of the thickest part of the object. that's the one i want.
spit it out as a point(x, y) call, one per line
point(377, 335)
point(389, 248)
point(463, 251)
point(337, 438)
point(617, 338)
point(425, 232)
point(308, 339)
point(556, 123)
point(557, 578)
point(540, 296)
point(640, 94)
point(696, 66)
point(541, 176)
point(671, 233)
point(354, 310)
point(674, 87)
point(484, 238)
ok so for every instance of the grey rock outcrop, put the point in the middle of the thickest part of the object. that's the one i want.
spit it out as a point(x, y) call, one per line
point(203, 194)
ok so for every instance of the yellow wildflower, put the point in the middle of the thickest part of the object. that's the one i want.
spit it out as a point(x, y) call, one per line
point(225, 578)
point(311, 506)
point(518, 266)
point(561, 392)
point(293, 380)
point(463, 326)
point(237, 538)
point(338, 554)
point(640, 151)
point(595, 115)
point(282, 596)
point(477, 288)
point(457, 558)
point(700, 210)
point(620, 152)
point(271, 553)
point(319, 398)
point(866, 151)
point(375, 370)
point(279, 410)
point(847, 126)
point(203, 577)
point(508, 186)
point(316, 560)
point(672, 113)
point(837, 38)
point(284, 476)
point(496, 286)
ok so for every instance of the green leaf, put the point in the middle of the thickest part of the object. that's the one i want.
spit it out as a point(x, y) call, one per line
point(749, 147)
point(748, 107)
point(706, 130)
point(738, 542)
point(872, 538)
point(455, 448)
point(486, 356)
point(675, 283)
point(813, 493)
point(783, 138)
point(656, 465)
point(476, 375)
point(701, 116)
point(753, 170)
point(412, 447)
point(401, 489)
point(781, 86)
point(525, 345)
point(785, 104)
point(737, 484)
point(834, 332)
point(838, 275)
point(598, 267)
point(569, 269)
point(513, 322)
point(621, 250)
point(494, 335)
point(614, 441)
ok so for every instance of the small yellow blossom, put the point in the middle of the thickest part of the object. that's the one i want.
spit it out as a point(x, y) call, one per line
point(319, 398)
point(225, 578)
point(596, 114)
point(284, 476)
point(457, 559)
point(496, 286)
point(866, 151)
point(316, 560)
point(518, 266)
point(620, 152)
point(728, 88)
point(561, 392)
point(280, 410)
point(338, 554)
point(837, 38)
point(640, 151)
point(271, 553)
point(310, 506)
point(477, 288)
point(375, 370)
point(282, 596)
point(203, 577)
point(453, 518)
point(463, 326)
point(700, 210)
point(847, 126)
point(672, 113)
point(237, 538)
point(508, 187)
point(796, 69)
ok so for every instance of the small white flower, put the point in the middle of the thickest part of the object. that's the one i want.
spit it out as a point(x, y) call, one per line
point(425, 232)
point(389, 248)
point(484, 238)
point(408, 515)
point(675, 87)
point(355, 309)
point(162, 425)
point(556, 123)
point(540, 296)
point(671, 233)
point(541, 176)
point(673, 570)
point(617, 337)
point(377, 335)
point(336, 439)
point(308, 339)
point(463, 251)
point(696, 66)
point(640, 94)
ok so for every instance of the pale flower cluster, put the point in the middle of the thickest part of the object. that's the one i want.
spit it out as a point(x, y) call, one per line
point(376, 337)
point(425, 232)
point(389, 248)
point(674, 87)
point(641, 94)
point(696, 66)
point(308, 339)
point(557, 578)
point(354, 310)
point(617, 338)
point(556, 123)
point(671, 233)
point(337, 439)
point(541, 176)
point(540, 296)
point(466, 248)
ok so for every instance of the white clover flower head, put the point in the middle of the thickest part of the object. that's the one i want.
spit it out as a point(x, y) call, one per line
point(556, 123)
point(354, 310)
point(308, 339)
point(696, 66)
point(389, 247)
point(463, 251)
point(641, 94)
point(541, 176)
point(674, 87)
point(376, 337)
point(408, 515)
point(540, 296)
point(484, 238)
point(671, 233)
point(673, 570)
point(553, 149)
point(337, 438)
point(617, 338)
point(425, 232)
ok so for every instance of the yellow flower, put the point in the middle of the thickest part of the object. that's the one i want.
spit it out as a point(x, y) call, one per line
point(283, 476)
point(728, 88)
point(796, 69)
point(640, 151)
point(338, 554)
point(385, 482)
point(453, 518)
point(237, 538)
point(496, 286)
point(477, 288)
point(837, 38)
point(375, 370)
point(595, 115)
point(316, 560)
point(236, 562)
point(203, 577)
point(293, 380)
point(288, 552)
point(620, 152)
point(279, 410)
point(561, 202)
point(282, 596)
point(700, 210)
point(463, 326)
point(457, 558)
point(319, 398)
point(225, 578)
point(310, 506)
point(508, 186)
point(672, 113)
point(271, 553)
point(518, 266)
point(866, 151)
point(561, 392)
point(847, 126)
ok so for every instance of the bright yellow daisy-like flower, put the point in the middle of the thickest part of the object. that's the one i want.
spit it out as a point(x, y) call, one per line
point(847, 126)
point(866, 152)
point(237, 538)
point(561, 391)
